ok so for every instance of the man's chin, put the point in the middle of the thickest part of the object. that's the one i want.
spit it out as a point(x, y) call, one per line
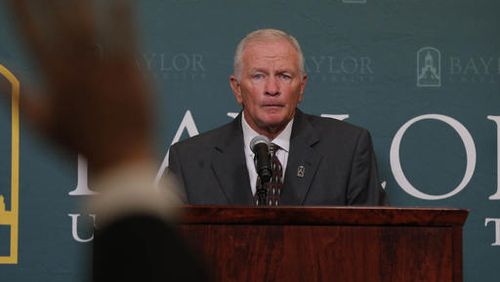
point(275, 124)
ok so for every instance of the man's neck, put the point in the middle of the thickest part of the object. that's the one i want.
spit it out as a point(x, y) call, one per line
point(270, 132)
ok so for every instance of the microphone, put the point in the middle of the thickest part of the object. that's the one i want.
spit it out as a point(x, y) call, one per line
point(260, 147)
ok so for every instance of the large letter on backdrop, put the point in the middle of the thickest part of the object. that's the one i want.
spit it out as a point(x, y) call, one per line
point(186, 123)
point(496, 119)
point(395, 160)
point(82, 187)
point(497, 229)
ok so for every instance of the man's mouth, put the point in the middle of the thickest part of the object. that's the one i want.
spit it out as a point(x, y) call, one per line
point(273, 106)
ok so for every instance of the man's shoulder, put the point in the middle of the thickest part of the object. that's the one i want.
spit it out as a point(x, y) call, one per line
point(327, 125)
point(207, 139)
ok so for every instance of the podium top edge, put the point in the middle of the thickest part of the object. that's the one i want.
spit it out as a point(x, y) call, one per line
point(324, 215)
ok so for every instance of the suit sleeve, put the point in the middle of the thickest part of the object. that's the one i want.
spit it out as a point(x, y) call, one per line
point(364, 188)
point(174, 173)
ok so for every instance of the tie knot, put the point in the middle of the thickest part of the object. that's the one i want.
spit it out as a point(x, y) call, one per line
point(273, 148)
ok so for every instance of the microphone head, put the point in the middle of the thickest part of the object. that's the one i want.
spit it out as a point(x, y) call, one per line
point(259, 139)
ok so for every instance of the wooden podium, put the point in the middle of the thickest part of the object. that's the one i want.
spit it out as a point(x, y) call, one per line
point(327, 243)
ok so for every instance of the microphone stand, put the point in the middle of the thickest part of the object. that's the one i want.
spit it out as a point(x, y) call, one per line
point(261, 194)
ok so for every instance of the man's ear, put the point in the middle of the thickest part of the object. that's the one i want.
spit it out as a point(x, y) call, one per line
point(235, 86)
point(302, 87)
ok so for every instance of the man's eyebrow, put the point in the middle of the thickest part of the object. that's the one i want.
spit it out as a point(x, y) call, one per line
point(277, 71)
point(288, 71)
point(257, 70)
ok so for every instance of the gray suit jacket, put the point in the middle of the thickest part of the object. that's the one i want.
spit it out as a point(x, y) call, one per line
point(339, 162)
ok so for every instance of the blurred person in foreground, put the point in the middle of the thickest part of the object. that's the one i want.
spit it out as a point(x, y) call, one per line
point(96, 102)
point(320, 161)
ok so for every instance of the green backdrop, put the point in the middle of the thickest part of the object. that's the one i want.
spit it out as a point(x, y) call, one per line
point(422, 75)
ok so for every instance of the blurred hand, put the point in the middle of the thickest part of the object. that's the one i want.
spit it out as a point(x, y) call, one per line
point(94, 101)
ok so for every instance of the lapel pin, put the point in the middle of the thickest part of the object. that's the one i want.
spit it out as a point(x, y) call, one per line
point(301, 170)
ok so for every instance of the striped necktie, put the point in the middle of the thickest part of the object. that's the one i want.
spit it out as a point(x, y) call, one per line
point(275, 185)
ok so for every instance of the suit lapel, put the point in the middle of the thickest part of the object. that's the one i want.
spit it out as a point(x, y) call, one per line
point(229, 166)
point(302, 163)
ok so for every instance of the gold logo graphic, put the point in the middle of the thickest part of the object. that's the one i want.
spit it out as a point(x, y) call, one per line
point(11, 217)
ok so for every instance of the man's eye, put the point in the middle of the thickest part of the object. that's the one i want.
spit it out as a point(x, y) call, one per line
point(258, 76)
point(285, 76)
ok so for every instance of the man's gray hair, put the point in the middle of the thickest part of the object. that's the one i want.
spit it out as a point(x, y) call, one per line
point(267, 34)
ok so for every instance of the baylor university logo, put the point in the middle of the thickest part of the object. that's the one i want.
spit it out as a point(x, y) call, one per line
point(428, 67)
point(9, 196)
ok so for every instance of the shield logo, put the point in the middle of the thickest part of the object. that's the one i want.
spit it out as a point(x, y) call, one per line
point(428, 67)
point(9, 214)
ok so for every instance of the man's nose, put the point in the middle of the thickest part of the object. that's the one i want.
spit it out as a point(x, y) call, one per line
point(272, 86)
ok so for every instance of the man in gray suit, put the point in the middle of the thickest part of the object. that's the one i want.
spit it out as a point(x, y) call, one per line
point(328, 162)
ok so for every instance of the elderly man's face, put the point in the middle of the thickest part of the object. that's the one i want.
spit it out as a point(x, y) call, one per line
point(270, 85)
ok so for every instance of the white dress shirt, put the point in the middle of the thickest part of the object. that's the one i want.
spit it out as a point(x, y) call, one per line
point(282, 140)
